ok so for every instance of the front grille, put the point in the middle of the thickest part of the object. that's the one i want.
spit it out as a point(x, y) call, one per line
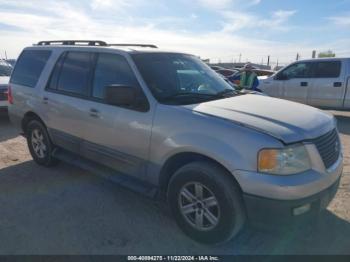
point(329, 147)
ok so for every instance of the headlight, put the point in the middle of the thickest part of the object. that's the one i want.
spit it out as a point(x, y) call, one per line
point(286, 161)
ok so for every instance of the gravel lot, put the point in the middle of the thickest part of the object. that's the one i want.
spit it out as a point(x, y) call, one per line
point(65, 210)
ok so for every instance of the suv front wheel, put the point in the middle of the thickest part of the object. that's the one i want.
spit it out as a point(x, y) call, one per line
point(206, 202)
point(39, 143)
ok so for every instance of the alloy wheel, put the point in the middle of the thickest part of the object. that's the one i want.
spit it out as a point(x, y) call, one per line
point(38, 143)
point(199, 206)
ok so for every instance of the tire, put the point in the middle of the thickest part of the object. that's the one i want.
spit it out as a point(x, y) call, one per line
point(212, 220)
point(39, 144)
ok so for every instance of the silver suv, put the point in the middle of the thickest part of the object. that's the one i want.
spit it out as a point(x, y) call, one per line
point(165, 124)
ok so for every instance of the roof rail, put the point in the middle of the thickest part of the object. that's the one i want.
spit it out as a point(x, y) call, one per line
point(139, 45)
point(74, 42)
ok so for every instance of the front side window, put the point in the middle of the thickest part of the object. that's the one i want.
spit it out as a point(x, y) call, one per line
point(29, 67)
point(111, 69)
point(180, 79)
point(299, 70)
point(327, 69)
point(74, 75)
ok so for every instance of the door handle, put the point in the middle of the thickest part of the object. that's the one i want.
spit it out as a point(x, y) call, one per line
point(304, 84)
point(337, 84)
point(45, 100)
point(94, 112)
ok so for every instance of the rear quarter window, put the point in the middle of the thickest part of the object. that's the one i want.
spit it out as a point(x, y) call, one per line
point(29, 67)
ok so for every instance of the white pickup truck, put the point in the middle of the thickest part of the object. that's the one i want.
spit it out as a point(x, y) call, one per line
point(5, 72)
point(317, 82)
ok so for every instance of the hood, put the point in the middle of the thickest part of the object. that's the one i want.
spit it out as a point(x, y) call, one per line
point(4, 80)
point(287, 121)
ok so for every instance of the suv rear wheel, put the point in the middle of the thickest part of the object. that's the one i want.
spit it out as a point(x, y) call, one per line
point(206, 202)
point(39, 143)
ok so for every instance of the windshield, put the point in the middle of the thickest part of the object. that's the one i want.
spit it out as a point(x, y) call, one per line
point(180, 78)
point(5, 69)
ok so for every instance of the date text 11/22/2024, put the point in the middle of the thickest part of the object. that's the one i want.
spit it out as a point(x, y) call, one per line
point(173, 258)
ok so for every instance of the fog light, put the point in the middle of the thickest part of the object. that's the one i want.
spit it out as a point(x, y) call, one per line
point(301, 210)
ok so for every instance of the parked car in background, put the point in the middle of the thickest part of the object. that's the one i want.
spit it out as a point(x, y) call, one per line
point(317, 82)
point(12, 62)
point(227, 72)
point(263, 72)
point(5, 72)
point(216, 68)
point(165, 124)
point(224, 71)
point(235, 78)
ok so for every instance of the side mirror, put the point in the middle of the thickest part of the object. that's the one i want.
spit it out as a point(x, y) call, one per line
point(126, 96)
point(120, 95)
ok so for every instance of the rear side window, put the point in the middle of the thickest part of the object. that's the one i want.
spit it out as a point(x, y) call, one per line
point(74, 74)
point(111, 69)
point(29, 67)
point(55, 73)
point(327, 69)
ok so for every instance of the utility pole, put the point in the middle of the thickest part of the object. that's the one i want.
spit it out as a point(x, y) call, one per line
point(240, 57)
point(268, 60)
point(5, 55)
point(298, 56)
point(314, 54)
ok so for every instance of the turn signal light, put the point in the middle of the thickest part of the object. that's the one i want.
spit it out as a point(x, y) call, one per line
point(268, 159)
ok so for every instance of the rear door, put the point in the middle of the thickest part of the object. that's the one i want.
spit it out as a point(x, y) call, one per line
point(329, 85)
point(298, 81)
point(64, 103)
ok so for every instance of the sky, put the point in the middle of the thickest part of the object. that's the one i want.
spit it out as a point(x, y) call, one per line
point(221, 30)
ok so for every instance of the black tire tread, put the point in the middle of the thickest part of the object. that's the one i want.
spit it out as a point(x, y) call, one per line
point(49, 160)
point(225, 182)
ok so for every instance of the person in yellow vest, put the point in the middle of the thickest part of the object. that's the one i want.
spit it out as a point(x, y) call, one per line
point(249, 79)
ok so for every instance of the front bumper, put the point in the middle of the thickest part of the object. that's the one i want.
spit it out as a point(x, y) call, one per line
point(291, 187)
point(283, 200)
point(270, 212)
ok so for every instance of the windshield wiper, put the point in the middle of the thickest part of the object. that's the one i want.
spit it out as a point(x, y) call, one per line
point(189, 94)
point(205, 97)
point(227, 93)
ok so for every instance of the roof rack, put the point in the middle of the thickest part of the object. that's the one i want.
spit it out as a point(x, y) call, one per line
point(89, 43)
point(74, 42)
point(139, 45)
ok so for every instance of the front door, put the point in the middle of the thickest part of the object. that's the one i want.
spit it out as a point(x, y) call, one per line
point(297, 81)
point(272, 86)
point(115, 136)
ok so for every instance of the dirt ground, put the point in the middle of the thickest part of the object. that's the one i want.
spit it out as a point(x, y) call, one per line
point(65, 210)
